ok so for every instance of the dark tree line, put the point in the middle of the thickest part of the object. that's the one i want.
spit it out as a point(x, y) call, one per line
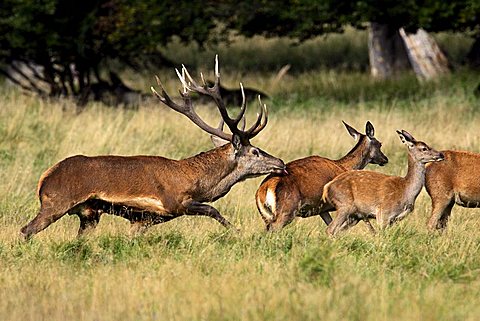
point(58, 48)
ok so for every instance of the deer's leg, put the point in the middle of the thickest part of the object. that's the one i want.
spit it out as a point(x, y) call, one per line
point(441, 209)
point(326, 217)
point(285, 215)
point(369, 226)
point(340, 222)
point(89, 219)
point(196, 208)
point(286, 208)
point(46, 216)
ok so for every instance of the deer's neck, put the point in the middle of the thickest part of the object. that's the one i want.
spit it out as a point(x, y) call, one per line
point(213, 173)
point(357, 157)
point(414, 179)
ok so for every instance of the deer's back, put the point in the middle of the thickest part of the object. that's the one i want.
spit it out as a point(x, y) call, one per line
point(366, 190)
point(79, 175)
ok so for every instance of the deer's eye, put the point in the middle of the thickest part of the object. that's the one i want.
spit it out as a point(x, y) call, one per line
point(424, 149)
point(255, 152)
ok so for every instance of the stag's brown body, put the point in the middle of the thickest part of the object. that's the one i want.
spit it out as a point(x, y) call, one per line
point(361, 195)
point(280, 199)
point(456, 180)
point(149, 190)
point(153, 183)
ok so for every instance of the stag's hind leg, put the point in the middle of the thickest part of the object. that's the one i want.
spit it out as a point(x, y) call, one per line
point(46, 216)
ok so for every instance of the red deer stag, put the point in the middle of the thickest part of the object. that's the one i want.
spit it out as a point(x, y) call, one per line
point(453, 181)
point(149, 190)
point(361, 195)
point(281, 198)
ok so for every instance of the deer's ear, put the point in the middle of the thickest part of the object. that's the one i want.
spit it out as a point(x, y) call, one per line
point(369, 130)
point(236, 142)
point(406, 138)
point(352, 131)
point(217, 141)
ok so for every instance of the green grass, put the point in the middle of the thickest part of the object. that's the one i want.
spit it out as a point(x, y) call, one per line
point(193, 269)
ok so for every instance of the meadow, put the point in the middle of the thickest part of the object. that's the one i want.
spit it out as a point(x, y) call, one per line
point(192, 268)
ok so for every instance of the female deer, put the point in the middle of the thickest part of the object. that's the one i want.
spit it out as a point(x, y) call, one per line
point(361, 195)
point(299, 193)
point(453, 181)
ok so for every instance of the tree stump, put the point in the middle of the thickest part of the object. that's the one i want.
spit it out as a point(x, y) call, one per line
point(425, 56)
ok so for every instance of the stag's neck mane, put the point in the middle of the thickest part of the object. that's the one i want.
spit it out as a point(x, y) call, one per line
point(214, 172)
point(357, 157)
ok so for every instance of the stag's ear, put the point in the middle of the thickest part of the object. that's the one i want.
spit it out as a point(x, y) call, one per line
point(406, 138)
point(369, 130)
point(217, 141)
point(236, 142)
point(352, 131)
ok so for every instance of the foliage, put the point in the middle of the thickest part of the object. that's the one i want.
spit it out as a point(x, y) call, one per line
point(305, 19)
point(64, 43)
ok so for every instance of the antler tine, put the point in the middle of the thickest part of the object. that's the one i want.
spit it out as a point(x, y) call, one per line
point(262, 119)
point(243, 107)
point(244, 123)
point(165, 98)
point(187, 108)
point(214, 92)
point(217, 72)
point(182, 80)
point(193, 84)
point(190, 85)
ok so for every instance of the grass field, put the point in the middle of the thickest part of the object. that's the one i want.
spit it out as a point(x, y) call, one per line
point(192, 268)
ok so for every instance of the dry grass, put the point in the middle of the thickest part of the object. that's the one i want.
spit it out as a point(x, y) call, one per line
point(191, 268)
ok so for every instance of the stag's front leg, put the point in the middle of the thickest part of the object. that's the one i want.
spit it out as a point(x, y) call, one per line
point(196, 208)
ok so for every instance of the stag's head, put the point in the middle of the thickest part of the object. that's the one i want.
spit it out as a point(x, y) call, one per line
point(371, 145)
point(250, 161)
point(419, 150)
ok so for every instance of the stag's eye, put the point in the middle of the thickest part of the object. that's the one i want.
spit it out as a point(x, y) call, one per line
point(255, 152)
point(424, 149)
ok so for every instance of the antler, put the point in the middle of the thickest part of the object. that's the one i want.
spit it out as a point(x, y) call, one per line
point(187, 109)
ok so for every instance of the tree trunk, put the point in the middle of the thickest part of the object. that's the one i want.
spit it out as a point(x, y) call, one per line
point(387, 51)
point(427, 60)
